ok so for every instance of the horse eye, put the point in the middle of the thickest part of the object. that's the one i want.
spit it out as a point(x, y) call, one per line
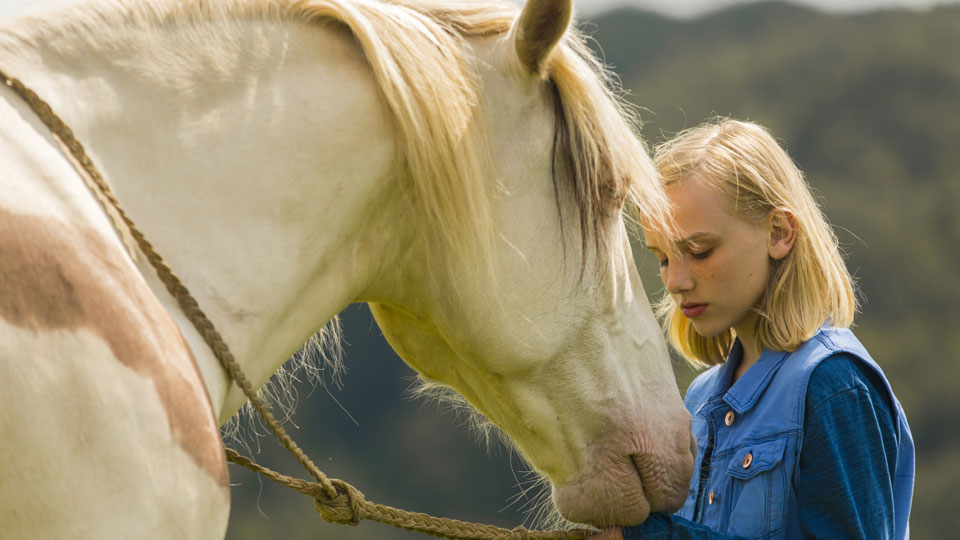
point(611, 193)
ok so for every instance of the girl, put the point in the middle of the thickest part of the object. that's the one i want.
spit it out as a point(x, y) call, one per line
point(798, 432)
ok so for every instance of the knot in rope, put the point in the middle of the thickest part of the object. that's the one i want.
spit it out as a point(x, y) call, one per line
point(345, 508)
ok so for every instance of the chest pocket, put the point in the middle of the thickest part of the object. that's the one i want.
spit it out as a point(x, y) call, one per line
point(757, 489)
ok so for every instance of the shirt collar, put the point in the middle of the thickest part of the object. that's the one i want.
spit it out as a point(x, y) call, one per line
point(742, 395)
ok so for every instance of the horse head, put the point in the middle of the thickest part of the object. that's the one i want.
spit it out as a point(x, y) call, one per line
point(552, 338)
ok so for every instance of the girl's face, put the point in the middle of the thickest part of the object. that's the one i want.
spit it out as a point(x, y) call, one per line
point(718, 268)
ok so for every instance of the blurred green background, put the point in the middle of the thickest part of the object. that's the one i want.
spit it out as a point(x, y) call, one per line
point(869, 107)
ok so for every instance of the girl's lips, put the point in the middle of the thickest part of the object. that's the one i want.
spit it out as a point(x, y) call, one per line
point(693, 310)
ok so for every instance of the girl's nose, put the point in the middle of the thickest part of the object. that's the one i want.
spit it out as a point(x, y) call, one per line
point(678, 278)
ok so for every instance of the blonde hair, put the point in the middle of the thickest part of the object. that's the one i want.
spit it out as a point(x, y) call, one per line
point(808, 287)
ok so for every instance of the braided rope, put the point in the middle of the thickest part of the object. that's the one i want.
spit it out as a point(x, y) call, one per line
point(349, 507)
point(336, 500)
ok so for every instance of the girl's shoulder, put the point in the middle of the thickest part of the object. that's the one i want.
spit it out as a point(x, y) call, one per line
point(844, 373)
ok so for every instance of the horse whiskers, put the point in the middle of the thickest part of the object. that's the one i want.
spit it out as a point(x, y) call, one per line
point(542, 513)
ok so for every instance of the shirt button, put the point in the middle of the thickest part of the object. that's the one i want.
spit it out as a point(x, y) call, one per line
point(729, 418)
point(747, 460)
point(710, 497)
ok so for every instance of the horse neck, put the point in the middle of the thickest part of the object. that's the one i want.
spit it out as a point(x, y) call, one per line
point(250, 154)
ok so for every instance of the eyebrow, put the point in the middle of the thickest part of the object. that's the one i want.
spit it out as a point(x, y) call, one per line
point(693, 239)
point(697, 237)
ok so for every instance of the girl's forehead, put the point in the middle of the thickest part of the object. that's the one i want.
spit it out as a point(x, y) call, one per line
point(697, 205)
point(701, 214)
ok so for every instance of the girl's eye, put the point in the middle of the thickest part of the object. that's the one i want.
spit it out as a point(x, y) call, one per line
point(664, 262)
point(702, 255)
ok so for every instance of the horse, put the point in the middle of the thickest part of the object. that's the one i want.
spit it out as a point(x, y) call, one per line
point(462, 167)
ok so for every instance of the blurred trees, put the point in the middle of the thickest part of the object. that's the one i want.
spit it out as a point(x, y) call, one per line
point(869, 107)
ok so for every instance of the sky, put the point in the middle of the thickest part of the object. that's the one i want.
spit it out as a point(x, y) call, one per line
point(675, 8)
point(692, 8)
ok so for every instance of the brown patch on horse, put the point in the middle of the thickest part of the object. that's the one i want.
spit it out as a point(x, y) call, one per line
point(59, 276)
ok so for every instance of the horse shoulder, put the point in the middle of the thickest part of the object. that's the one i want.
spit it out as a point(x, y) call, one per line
point(108, 429)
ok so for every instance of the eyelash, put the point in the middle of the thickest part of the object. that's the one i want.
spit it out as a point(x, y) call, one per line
point(698, 256)
point(702, 255)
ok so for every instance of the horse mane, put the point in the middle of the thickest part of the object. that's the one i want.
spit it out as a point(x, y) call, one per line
point(445, 154)
point(596, 135)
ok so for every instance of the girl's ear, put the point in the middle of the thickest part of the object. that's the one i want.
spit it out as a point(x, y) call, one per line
point(782, 225)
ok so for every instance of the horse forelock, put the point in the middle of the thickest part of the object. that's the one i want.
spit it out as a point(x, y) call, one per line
point(597, 144)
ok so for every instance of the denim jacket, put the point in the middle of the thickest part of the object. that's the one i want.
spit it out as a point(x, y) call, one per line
point(749, 436)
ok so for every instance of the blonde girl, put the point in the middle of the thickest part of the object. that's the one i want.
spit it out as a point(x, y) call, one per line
point(799, 434)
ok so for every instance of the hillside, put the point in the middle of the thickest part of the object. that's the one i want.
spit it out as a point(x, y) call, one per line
point(868, 106)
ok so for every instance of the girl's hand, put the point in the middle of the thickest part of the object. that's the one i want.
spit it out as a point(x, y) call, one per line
point(608, 534)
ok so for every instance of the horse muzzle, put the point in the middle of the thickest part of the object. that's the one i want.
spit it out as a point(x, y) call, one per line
point(623, 489)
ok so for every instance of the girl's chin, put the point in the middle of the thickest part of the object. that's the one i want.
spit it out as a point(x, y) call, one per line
point(707, 330)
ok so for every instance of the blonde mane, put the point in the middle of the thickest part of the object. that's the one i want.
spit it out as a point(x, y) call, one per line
point(445, 155)
point(596, 138)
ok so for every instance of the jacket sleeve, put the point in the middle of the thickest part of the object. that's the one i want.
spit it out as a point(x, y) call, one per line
point(848, 455)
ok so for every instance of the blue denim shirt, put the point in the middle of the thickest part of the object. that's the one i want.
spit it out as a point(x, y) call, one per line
point(805, 444)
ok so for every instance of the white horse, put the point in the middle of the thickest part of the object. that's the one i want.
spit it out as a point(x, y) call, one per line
point(459, 167)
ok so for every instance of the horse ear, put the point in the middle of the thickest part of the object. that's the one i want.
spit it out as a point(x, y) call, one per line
point(538, 30)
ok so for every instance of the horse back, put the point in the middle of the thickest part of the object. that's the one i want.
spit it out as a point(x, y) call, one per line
point(107, 428)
